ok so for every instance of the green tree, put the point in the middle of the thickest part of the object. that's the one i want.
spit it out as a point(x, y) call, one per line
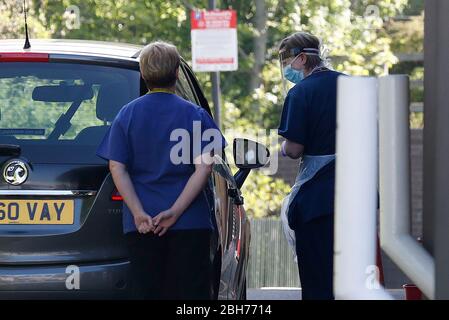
point(12, 21)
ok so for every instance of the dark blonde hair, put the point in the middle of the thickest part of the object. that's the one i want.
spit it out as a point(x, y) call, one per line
point(159, 62)
point(303, 40)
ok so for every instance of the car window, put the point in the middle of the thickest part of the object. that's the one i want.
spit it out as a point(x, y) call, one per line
point(202, 101)
point(60, 112)
point(183, 88)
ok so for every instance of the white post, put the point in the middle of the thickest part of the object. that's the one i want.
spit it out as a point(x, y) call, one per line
point(355, 272)
point(394, 162)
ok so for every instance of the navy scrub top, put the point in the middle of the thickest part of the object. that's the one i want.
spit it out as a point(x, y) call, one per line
point(309, 118)
point(139, 137)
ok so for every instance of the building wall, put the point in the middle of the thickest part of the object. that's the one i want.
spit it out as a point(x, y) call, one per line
point(416, 154)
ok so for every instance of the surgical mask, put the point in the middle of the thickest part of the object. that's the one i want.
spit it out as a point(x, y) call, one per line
point(292, 75)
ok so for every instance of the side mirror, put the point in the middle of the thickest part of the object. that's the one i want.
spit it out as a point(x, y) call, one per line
point(248, 155)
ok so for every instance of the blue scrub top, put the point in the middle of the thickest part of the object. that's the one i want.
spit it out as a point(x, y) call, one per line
point(140, 137)
point(309, 118)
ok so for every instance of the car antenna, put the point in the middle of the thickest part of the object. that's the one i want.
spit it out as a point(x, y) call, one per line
point(27, 38)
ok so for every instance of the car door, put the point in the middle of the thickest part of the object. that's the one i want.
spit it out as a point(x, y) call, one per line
point(232, 224)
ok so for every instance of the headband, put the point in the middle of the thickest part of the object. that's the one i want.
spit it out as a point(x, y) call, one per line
point(296, 51)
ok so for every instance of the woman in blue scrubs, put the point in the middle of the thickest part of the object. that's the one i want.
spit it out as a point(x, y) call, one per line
point(160, 165)
point(308, 124)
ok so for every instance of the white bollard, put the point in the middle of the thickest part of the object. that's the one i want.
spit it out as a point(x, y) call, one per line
point(355, 275)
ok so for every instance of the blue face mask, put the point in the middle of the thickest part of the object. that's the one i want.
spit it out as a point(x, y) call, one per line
point(293, 75)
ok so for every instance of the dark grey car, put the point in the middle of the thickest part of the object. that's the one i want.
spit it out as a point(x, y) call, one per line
point(60, 214)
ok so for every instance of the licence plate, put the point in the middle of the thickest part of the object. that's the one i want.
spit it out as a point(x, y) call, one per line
point(36, 212)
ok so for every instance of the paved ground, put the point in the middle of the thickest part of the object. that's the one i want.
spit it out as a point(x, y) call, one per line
point(295, 294)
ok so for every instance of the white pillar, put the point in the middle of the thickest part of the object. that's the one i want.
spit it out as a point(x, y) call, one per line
point(394, 161)
point(355, 275)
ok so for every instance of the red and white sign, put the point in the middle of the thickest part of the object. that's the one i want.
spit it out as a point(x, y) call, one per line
point(214, 40)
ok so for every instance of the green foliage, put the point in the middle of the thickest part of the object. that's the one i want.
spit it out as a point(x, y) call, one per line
point(414, 7)
point(263, 194)
point(408, 35)
point(138, 22)
point(416, 120)
point(12, 23)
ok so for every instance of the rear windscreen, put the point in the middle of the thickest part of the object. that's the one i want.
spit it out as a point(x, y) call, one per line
point(59, 112)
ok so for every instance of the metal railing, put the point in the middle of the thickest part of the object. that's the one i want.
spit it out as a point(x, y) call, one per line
point(271, 262)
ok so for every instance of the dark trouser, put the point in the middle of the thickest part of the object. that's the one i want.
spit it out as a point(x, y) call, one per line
point(175, 266)
point(315, 251)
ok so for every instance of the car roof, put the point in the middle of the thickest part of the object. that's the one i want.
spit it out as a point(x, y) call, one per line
point(77, 47)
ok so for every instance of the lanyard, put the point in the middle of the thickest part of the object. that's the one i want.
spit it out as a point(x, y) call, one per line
point(319, 68)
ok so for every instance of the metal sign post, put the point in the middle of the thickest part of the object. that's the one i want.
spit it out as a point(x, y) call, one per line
point(215, 79)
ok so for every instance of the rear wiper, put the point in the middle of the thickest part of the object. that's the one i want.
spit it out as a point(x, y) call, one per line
point(10, 150)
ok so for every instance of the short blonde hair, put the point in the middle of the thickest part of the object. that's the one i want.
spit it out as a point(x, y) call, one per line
point(159, 62)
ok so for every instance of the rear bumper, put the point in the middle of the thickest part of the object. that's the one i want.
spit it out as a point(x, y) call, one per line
point(83, 281)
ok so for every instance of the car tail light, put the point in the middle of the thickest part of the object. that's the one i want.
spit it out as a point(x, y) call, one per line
point(116, 196)
point(23, 57)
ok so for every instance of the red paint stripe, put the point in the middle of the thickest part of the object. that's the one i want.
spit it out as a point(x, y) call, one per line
point(213, 19)
point(215, 60)
point(24, 57)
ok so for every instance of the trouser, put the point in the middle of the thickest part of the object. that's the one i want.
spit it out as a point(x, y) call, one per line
point(175, 266)
point(315, 252)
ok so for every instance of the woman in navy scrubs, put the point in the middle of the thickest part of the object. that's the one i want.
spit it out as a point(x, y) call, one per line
point(308, 124)
point(160, 165)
